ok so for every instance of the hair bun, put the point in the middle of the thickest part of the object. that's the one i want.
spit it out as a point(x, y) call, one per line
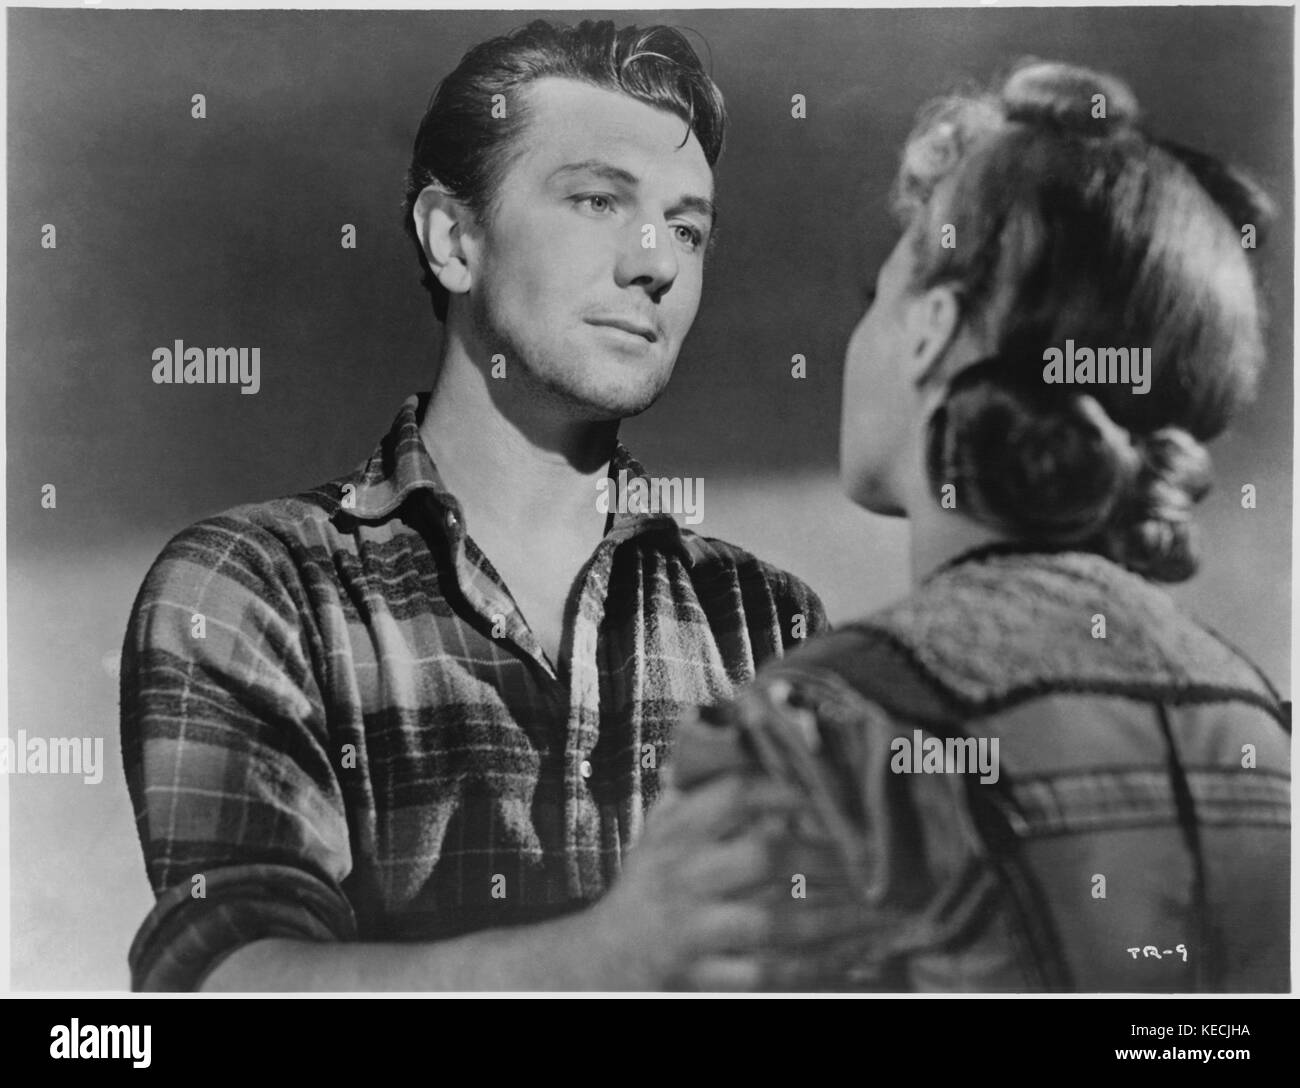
point(1066, 96)
point(1054, 475)
point(1153, 533)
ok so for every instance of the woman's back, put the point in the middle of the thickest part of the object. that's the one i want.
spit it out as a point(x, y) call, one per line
point(1039, 775)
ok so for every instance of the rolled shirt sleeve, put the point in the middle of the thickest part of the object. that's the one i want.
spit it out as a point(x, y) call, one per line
point(227, 757)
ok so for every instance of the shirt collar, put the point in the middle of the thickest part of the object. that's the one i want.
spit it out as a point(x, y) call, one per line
point(401, 466)
point(625, 525)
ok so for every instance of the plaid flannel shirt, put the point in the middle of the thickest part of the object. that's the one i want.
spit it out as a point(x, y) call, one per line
point(336, 724)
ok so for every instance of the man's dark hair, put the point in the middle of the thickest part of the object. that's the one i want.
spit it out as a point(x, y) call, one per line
point(465, 149)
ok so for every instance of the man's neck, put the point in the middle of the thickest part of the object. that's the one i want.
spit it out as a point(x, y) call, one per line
point(514, 467)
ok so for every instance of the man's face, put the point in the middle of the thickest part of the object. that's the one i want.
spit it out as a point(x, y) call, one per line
point(567, 283)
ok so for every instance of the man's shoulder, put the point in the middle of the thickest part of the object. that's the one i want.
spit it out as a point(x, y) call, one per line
point(289, 515)
point(258, 536)
point(713, 559)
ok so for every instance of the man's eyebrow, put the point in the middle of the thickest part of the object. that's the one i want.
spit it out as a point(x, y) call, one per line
point(598, 167)
point(607, 170)
point(697, 204)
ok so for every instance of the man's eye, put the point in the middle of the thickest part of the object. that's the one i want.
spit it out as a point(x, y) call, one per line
point(597, 202)
point(690, 235)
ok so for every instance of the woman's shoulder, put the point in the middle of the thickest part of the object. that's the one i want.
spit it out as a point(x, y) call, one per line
point(1000, 627)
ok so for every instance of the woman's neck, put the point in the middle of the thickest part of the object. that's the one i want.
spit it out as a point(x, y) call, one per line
point(940, 535)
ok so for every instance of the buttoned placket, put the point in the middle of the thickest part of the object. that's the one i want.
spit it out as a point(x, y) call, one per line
point(490, 599)
point(582, 818)
point(587, 874)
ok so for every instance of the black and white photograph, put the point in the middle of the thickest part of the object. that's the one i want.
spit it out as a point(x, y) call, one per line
point(719, 501)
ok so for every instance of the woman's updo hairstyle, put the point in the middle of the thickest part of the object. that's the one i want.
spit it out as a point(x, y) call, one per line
point(1054, 217)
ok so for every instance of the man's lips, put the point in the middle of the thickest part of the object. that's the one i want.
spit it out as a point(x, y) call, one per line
point(636, 328)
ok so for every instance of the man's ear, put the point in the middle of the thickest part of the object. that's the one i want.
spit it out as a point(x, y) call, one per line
point(933, 320)
point(442, 221)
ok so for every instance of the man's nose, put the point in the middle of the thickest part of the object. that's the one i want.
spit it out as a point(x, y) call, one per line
point(649, 258)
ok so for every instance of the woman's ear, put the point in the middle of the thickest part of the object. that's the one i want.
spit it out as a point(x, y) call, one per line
point(441, 221)
point(932, 322)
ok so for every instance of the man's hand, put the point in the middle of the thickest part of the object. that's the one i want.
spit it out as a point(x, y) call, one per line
point(705, 899)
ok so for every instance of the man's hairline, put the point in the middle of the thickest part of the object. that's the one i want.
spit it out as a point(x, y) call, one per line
point(521, 144)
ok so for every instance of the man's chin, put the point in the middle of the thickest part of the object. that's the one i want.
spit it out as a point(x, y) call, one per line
point(601, 404)
point(631, 408)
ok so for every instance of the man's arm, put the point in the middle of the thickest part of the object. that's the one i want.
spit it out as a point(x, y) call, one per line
point(687, 913)
point(229, 764)
point(549, 956)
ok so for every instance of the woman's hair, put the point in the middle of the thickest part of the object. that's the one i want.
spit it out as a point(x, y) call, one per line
point(1054, 217)
point(466, 147)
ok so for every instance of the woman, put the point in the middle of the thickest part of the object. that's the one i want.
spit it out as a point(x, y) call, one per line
point(1035, 772)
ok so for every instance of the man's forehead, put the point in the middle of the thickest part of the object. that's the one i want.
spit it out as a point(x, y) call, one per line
point(572, 122)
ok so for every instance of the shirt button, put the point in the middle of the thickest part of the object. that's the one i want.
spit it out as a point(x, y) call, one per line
point(584, 768)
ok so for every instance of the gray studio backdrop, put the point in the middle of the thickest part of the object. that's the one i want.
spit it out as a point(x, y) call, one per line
point(225, 231)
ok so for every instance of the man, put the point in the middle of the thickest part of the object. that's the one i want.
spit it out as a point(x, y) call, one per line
point(429, 701)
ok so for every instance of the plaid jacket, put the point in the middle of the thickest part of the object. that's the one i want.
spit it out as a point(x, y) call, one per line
point(336, 724)
point(1130, 833)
